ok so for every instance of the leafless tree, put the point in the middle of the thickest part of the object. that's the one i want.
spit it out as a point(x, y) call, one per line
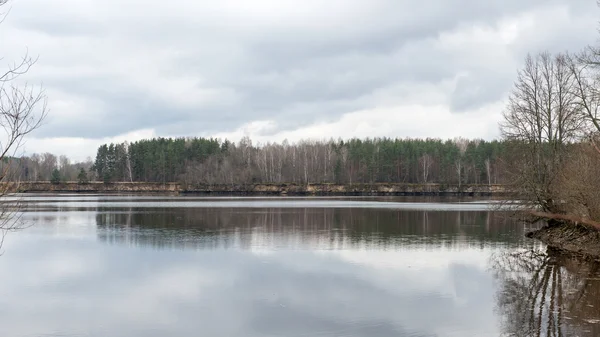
point(488, 170)
point(64, 166)
point(35, 160)
point(462, 144)
point(585, 69)
point(22, 110)
point(541, 118)
point(49, 163)
point(578, 183)
point(129, 172)
point(425, 163)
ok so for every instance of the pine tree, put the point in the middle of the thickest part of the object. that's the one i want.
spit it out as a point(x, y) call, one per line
point(82, 177)
point(55, 178)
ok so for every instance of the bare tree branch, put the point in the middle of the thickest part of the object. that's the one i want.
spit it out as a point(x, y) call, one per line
point(22, 110)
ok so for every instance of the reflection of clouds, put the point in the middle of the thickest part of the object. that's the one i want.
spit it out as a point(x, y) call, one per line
point(63, 265)
point(419, 270)
point(302, 272)
point(410, 297)
point(157, 297)
point(414, 258)
point(36, 274)
point(141, 292)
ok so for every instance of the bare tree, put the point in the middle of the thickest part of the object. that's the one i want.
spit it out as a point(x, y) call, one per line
point(541, 118)
point(64, 165)
point(22, 110)
point(585, 69)
point(579, 182)
point(35, 163)
point(461, 144)
point(49, 163)
point(128, 161)
point(425, 164)
point(488, 170)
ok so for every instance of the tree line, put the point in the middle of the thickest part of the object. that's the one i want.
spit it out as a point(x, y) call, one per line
point(46, 167)
point(206, 161)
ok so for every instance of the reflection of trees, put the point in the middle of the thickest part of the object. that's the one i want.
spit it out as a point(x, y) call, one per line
point(326, 228)
point(48, 219)
point(547, 294)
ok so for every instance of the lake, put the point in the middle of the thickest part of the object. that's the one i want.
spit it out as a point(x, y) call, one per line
point(120, 265)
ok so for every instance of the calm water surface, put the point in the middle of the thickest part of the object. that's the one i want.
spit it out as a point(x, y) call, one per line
point(94, 265)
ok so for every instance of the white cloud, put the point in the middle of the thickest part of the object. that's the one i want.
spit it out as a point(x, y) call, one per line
point(400, 121)
point(280, 69)
point(79, 148)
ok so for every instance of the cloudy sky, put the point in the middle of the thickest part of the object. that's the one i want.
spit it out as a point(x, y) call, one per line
point(119, 70)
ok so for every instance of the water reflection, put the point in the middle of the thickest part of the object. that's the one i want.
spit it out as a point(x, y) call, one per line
point(99, 270)
point(74, 203)
point(249, 228)
point(547, 294)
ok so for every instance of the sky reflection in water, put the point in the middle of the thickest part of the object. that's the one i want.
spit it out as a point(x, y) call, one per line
point(171, 269)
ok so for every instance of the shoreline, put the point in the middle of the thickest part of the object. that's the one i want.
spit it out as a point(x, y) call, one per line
point(570, 239)
point(317, 189)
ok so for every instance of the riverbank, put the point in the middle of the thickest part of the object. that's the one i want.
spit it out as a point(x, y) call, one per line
point(379, 189)
point(570, 238)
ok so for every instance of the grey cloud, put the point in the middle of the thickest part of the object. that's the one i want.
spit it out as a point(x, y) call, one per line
point(475, 90)
point(243, 297)
point(148, 281)
point(316, 65)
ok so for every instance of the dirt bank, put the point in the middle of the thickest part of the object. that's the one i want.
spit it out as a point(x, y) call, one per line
point(268, 189)
point(570, 238)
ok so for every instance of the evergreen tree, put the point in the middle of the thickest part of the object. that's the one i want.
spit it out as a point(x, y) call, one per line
point(55, 177)
point(106, 178)
point(82, 177)
point(100, 165)
point(372, 160)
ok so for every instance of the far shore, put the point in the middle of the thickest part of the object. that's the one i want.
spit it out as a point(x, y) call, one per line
point(323, 189)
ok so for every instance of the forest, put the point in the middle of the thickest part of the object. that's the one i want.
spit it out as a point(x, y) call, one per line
point(206, 161)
